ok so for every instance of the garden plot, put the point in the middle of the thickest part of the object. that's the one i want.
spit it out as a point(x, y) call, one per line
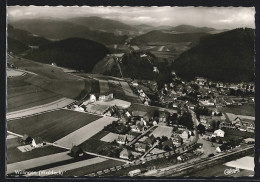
point(82, 134)
point(110, 137)
point(104, 87)
point(162, 131)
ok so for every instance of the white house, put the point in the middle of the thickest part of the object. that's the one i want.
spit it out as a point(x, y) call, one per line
point(219, 133)
point(37, 142)
point(92, 98)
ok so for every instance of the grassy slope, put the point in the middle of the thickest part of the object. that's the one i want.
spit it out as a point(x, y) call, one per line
point(51, 126)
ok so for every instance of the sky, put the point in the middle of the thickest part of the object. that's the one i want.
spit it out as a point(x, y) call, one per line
point(215, 17)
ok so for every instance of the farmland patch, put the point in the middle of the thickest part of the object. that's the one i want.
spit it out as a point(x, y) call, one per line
point(110, 137)
point(51, 126)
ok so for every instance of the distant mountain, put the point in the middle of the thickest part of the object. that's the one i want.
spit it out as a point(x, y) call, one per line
point(25, 37)
point(98, 23)
point(75, 53)
point(61, 29)
point(227, 56)
point(15, 46)
point(162, 36)
point(192, 29)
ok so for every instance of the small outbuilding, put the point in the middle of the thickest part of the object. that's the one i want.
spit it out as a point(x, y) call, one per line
point(219, 133)
point(26, 139)
point(76, 152)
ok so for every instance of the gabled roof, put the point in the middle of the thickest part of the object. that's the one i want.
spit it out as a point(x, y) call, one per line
point(125, 152)
point(38, 140)
point(121, 138)
point(230, 116)
point(140, 145)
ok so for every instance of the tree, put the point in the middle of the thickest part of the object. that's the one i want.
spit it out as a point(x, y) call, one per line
point(173, 118)
point(186, 120)
point(201, 128)
point(214, 125)
point(218, 124)
point(213, 139)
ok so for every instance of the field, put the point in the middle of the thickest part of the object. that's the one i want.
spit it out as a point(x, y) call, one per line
point(15, 155)
point(110, 137)
point(84, 133)
point(53, 79)
point(40, 69)
point(245, 109)
point(162, 131)
point(39, 109)
point(94, 144)
point(93, 168)
point(22, 95)
point(128, 91)
point(104, 87)
point(51, 126)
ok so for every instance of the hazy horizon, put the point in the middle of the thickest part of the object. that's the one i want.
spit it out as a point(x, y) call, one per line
point(215, 17)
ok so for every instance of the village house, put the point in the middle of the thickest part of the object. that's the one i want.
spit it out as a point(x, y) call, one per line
point(168, 143)
point(141, 147)
point(92, 98)
point(185, 134)
point(163, 116)
point(26, 139)
point(37, 142)
point(177, 141)
point(219, 133)
point(106, 97)
point(76, 152)
point(125, 154)
point(200, 80)
point(122, 139)
point(139, 127)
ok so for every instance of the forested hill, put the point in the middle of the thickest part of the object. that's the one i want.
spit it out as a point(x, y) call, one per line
point(227, 56)
point(75, 53)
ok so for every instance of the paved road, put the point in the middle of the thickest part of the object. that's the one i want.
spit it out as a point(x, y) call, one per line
point(147, 152)
point(140, 136)
point(161, 48)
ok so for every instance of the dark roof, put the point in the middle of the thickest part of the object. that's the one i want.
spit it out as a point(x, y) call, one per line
point(76, 149)
point(140, 145)
point(25, 137)
point(168, 142)
point(38, 140)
